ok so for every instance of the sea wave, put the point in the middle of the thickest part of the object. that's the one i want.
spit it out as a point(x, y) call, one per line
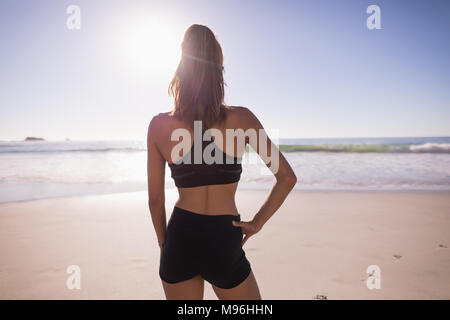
point(140, 146)
point(431, 148)
point(32, 175)
point(369, 148)
point(72, 150)
point(71, 146)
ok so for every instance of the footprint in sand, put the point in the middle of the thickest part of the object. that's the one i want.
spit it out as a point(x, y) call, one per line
point(320, 297)
point(397, 257)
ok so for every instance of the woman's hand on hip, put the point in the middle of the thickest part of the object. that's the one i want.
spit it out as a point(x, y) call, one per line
point(248, 229)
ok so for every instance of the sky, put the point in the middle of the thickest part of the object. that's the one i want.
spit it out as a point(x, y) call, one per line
point(307, 69)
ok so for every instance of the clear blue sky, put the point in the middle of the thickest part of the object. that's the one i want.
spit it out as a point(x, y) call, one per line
point(306, 68)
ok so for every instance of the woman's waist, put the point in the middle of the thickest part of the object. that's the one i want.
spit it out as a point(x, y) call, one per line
point(207, 209)
point(210, 207)
point(208, 200)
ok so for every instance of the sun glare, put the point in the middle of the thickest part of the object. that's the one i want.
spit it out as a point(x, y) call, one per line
point(151, 46)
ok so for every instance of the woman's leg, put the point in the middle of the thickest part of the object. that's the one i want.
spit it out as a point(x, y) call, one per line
point(247, 290)
point(191, 289)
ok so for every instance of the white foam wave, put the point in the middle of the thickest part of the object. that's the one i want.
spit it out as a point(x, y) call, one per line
point(431, 147)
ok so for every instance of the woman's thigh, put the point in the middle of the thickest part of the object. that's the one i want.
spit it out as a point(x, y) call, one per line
point(191, 289)
point(247, 290)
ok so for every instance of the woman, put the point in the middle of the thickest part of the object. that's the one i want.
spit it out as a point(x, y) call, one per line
point(204, 237)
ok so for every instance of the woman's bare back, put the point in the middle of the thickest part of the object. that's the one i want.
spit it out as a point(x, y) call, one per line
point(208, 199)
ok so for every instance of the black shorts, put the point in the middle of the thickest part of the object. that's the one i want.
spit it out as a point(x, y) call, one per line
point(206, 245)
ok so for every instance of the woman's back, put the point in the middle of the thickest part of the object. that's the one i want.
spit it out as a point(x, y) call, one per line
point(212, 199)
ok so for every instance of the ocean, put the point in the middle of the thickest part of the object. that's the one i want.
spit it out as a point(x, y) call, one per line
point(44, 169)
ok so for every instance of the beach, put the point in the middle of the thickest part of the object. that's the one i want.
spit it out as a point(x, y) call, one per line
point(99, 97)
point(318, 243)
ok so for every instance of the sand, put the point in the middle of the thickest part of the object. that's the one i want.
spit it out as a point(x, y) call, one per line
point(318, 243)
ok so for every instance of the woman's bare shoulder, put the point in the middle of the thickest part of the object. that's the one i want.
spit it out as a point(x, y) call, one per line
point(235, 109)
point(242, 116)
point(164, 118)
point(162, 122)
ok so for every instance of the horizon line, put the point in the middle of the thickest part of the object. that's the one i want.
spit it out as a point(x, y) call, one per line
point(283, 138)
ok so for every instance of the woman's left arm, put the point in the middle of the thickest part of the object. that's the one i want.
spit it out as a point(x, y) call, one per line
point(156, 166)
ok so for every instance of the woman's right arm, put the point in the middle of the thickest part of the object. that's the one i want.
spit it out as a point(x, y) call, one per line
point(155, 180)
point(285, 176)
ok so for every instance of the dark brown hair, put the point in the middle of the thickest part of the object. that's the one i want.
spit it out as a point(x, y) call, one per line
point(197, 85)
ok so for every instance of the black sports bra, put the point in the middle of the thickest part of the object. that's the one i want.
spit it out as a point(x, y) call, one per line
point(188, 174)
